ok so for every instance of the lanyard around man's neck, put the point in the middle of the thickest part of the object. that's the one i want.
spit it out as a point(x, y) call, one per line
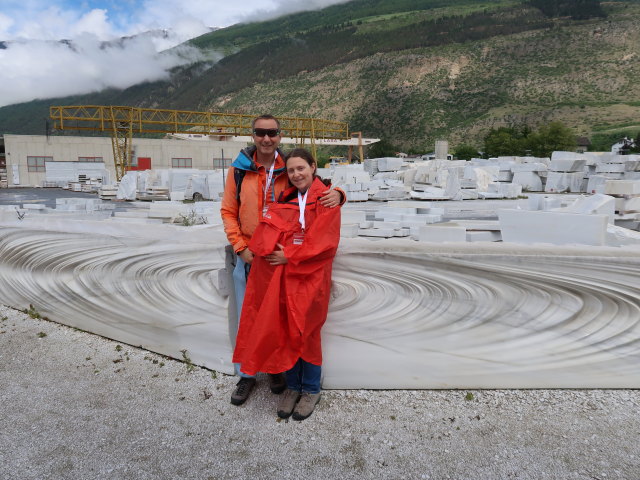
point(269, 179)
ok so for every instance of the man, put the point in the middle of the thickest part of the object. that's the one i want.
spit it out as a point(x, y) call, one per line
point(254, 181)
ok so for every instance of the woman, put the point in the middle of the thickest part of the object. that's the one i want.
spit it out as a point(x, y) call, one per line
point(288, 291)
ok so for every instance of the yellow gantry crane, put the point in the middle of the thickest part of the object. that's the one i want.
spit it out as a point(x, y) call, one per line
point(122, 122)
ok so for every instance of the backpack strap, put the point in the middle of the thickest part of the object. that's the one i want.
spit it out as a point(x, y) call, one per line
point(238, 176)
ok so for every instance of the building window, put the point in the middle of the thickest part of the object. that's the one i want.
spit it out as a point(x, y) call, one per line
point(36, 164)
point(180, 163)
point(90, 159)
point(221, 163)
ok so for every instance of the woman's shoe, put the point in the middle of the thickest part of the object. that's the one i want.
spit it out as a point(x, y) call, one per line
point(287, 403)
point(305, 405)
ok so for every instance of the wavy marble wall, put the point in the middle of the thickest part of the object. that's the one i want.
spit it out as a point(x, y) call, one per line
point(403, 314)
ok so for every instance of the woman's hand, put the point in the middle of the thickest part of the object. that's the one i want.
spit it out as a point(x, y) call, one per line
point(330, 198)
point(277, 256)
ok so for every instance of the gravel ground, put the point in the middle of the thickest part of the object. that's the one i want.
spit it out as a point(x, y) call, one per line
point(78, 406)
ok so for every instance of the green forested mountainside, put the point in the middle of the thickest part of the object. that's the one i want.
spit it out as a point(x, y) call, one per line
point(368, 15)
point(412, 71)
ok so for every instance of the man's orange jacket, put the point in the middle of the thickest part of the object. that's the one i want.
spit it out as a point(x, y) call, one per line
point(285, 306)
point(242, 215)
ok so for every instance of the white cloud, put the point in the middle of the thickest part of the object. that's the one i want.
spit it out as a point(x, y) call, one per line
point(277, 8)
point(36, 65)
point(95, 22)
point(5, 24)
point(44, 69)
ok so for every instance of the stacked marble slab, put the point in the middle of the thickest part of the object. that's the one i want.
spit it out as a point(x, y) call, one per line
point(353, 179)
point(392, 179)
point(397, 221)
point(70, 208)
point(566, 175)
point(588, 220)
point(531, 175)
point(166, 184)
point(626, 194)
point(108, 192)
point(421, 222)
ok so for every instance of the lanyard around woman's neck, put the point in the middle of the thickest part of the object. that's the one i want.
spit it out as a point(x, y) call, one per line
point(302, 203)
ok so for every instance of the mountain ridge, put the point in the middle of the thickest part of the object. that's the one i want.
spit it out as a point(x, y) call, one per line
point(514, 65)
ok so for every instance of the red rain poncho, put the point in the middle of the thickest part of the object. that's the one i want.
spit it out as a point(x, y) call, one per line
point(285, 306)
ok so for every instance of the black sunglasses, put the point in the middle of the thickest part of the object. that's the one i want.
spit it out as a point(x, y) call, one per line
point(261, 132)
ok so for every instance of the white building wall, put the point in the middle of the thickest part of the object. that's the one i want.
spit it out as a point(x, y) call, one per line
point(68, 148)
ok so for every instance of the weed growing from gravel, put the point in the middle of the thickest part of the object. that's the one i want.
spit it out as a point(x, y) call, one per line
point(32, 312)
point(41, 334)
point(118, 348)
point(214, 374)
point(191, 218)
point(469, 396)
point(190, 366)
point(4, 318)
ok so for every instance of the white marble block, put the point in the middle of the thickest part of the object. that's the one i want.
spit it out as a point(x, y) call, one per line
point(389, 164)
point(385, 224)
point(632, 165)
point(529, 227)
point(593, 204)
point(628, 205)
point(437, 233)
point(349, 230)
point(567, 165)
point(505, 176)
point(530, 181)
point(506, 190)
point(483, 236)
point(361, 196)
point(611, 168)
point(543, 202)
point(348, 216)
point(622, 187)
point(597, 184)
point(560, 182)
point(376, 232)
point(529, 167)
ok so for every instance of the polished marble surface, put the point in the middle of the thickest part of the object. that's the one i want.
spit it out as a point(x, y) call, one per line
point(403, 314)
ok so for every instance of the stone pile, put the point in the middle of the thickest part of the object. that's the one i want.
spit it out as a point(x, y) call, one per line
point(171, 184)
point(393, 179)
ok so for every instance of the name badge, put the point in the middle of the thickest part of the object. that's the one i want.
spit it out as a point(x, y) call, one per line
point(298, 238)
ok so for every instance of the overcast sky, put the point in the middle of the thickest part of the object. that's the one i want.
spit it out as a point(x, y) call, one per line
point(35, 65)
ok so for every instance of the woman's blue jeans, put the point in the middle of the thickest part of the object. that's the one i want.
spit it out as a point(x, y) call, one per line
point(304, 377)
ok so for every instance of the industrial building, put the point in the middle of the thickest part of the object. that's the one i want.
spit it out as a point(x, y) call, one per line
point(39, 160)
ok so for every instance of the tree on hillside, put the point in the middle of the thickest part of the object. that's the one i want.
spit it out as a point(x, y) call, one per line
point(504, 141)
point(383, 148)
point(576, 9)
point(466, 152)
point(507, 141)
point(550, 137)
point(636, 147)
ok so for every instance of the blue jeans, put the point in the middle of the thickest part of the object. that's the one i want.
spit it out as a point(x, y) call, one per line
point(240, 275)
point(304, 377)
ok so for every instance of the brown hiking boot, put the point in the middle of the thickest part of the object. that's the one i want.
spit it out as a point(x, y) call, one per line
point(305, 406)
point(277, 383)
point(242, 391)
point(287, 403)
